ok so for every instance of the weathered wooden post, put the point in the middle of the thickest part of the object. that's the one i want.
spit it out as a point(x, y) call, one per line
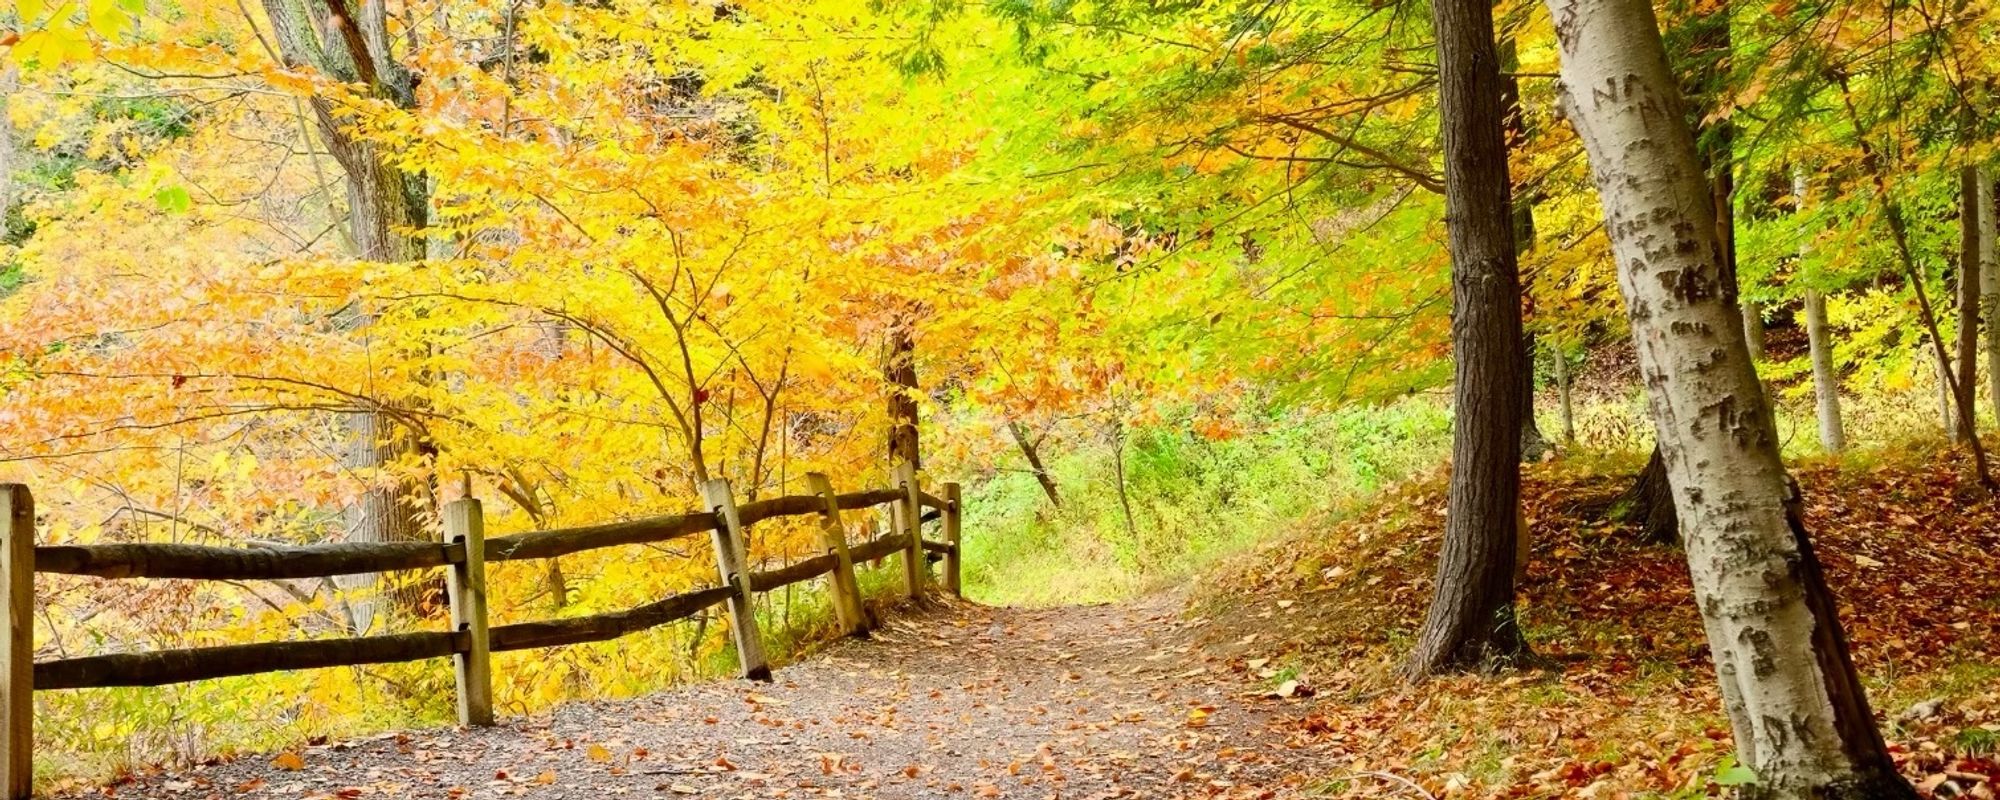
point(731, 553)
point(465, 525)
point(833, 536)
point(954, 557)
point(17, 697)
point(909, 515)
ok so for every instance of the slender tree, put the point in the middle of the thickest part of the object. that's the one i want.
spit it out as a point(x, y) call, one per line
point(1989, 288)
point(1819, 344)
point(1801, 719)
point(1471, 620)
point(1970, 225)
point(1032, 451)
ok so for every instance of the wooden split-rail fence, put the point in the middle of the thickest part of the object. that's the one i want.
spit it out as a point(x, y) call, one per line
point(464, 553)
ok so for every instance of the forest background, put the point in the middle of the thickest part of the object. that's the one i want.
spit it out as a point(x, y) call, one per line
point(1159, 283)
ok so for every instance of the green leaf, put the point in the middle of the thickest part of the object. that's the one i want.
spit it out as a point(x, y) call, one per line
point(133, 7)
point(105, 19)
point(173, 199)
point(1730, 773)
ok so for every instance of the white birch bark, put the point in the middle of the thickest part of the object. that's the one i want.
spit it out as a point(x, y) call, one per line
point(1714, 424)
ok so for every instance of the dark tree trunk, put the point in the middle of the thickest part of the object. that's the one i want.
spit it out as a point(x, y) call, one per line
point(899, 370)
point(1534, 446)
point(1968, 301)
point(1650, 502)
point(1034, 456)
point(1471, 623)
point(1875, 774)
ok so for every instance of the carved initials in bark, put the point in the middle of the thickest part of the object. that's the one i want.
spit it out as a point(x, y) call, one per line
point(1801, 720)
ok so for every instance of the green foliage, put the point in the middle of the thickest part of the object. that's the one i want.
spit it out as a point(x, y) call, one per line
point(1193, 499)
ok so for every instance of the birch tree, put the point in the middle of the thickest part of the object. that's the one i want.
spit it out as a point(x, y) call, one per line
point(1800, 716)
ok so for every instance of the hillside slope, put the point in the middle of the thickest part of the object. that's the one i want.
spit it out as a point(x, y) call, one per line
point(1624, 700)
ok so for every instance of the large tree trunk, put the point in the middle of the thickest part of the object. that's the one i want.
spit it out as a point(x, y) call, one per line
point(1819, 345)
point(387, 212)
point(1034, 456)
point(1791, 691)
point(1970, 225)
point(1471, 621)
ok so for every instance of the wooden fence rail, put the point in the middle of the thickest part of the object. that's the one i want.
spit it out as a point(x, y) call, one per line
point(465, 552)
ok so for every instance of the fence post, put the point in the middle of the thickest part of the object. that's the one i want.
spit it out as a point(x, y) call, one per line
point(954, 558)
point(730, 556)
point(833, 536)
point(465, 525)
point(909, 513)
point(17, 696)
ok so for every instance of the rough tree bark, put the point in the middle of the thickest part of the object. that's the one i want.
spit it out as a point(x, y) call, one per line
point(1534, 445)
point(899, 371)
point(387, 212)
point(1034, 455)
point(1819, 343)
point(1970, 225)
point(1801, 719)
point(1650, 502)
point(1471, 621)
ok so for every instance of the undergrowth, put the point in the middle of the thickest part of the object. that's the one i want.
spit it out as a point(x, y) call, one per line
point(1192, 500)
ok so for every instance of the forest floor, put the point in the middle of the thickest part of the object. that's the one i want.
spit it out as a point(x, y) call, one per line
point(954, 700)
point(1621, 700)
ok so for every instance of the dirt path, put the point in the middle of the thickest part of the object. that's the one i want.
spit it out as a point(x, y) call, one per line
point(962, 701)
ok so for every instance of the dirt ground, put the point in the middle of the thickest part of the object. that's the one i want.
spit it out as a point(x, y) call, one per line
point(960, 700)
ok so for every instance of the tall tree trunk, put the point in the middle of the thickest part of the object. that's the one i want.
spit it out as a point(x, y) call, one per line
point(1819, 346)
point(1534, 446)
point(1801, 720)
point(1970, 226)
point(1472, 621)
point(1034, 456)
point(1989, 288)
point(899, 371)
point(387, 213)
